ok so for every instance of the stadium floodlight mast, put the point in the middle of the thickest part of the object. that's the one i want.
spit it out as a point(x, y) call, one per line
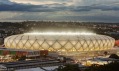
point(60, 33)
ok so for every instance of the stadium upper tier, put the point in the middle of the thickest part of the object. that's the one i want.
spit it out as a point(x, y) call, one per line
point(60, 42)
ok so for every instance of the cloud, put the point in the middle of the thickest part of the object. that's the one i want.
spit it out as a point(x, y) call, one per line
point(12, 6)
point(84, 10)
point(43, 2)
point(68, 2)
point(25, 8)
point(57, 5)
point(95, 7)
point(5, 2)
point(53, 7)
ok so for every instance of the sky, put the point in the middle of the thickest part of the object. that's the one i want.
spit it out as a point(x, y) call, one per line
point(60, 10)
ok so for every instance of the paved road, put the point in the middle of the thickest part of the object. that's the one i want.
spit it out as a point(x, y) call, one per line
point(10, 66)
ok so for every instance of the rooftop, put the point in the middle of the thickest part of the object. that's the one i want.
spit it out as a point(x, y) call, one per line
point(60, 33)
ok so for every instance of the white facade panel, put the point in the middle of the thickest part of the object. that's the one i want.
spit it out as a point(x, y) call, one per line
point(60, 43)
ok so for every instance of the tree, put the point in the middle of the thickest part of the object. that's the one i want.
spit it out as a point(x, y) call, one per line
point(15, 57)
point(69, 67)
point(22, 58)
point(114, 66)
point(114, 56)
point(105, 52)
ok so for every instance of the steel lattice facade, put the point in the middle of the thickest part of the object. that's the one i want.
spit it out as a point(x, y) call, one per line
point(60, 43)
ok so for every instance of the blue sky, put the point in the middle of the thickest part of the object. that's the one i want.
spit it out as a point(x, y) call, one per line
point(60, 10)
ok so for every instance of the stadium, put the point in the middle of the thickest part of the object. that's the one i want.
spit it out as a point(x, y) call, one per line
point(60, 42)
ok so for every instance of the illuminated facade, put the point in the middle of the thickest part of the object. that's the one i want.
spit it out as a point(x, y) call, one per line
point(69, 43)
